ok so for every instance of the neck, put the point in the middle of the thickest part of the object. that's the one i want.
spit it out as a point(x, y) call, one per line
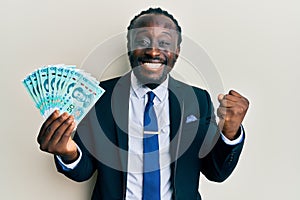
point(152, 86)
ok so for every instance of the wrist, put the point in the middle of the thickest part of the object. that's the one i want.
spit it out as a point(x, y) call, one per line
point(67, 159)
point(232, 135)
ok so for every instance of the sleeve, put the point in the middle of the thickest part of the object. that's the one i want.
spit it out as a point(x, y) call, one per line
point(222, 158)
point(68, 167)
point(85, 167)
point(236, 141)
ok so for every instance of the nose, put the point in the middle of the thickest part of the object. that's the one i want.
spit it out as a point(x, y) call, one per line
point(152, 51)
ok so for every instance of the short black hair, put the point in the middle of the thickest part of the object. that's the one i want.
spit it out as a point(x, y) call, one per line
point(157, 11)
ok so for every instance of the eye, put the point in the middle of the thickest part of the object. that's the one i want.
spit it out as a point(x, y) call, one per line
point(164, 44)
point(142, 43)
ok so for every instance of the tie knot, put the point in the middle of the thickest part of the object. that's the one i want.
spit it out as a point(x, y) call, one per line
point(151, 96)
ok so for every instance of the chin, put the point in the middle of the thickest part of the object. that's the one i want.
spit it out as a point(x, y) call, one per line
point(148, 78)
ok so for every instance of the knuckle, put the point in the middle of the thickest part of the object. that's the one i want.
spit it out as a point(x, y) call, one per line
point(241, 110)
point(219, 114)
point(67, 122)
point(49, 129)
point(55, 136)
point(56, 133)
point(54, 114)
point(66, 135)
point(61, 119)
point(51, 148)
point(236, 111)
point(227, 118)
point(43, 147)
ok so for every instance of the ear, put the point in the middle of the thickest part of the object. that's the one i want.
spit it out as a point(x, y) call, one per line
point(177, 51)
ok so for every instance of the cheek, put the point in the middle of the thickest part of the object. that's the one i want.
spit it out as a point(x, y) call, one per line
point(134, 55)
point(137, 52)
point(171, 57)
point(170, 54)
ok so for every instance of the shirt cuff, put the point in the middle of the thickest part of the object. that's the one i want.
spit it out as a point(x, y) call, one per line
point(236, 141)
point(68, 167)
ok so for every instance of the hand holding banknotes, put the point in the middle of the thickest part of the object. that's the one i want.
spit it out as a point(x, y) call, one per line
point(63, 95)
point(55, 136)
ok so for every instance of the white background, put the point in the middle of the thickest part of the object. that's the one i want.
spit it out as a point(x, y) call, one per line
point(254, 44)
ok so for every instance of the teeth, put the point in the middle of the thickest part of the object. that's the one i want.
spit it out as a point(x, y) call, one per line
point(153, 65)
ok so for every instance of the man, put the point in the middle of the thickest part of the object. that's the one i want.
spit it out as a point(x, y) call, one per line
point(112, 139)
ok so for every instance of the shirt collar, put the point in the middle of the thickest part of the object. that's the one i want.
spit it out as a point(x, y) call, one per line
point(140, 90)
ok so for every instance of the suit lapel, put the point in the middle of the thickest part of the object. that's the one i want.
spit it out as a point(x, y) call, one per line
point(175, 103)
point(120, 107)
point(176, 107)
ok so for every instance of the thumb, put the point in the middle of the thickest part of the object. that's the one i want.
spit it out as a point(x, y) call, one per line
point(220, 97)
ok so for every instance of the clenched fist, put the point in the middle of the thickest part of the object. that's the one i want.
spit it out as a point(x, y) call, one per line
point(232, 110)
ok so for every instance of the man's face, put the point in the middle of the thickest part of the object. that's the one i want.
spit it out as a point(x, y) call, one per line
point(153, 48)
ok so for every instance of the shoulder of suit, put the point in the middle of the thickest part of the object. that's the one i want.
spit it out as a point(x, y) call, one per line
point(187, 86)
point(111, 81)
point(109, 84)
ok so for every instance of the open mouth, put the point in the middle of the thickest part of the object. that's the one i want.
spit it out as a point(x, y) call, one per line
point(152, 66)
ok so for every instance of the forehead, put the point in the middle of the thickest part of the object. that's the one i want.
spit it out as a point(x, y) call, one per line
point(154, 20)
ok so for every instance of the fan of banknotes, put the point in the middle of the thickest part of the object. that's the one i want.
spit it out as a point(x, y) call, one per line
point(64, 88)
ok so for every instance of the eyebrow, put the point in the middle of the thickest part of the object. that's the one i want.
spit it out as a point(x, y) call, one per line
point(143, 31)
point(167, 33)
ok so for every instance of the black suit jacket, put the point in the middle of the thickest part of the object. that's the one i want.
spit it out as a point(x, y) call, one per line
point(196, 145)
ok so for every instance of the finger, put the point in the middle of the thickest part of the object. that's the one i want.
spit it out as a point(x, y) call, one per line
point(46, 124)
point(51, 130)
point(238, 101)
point(227, 103)
point(221, 124)
point(232, 98)
point(221, 112)
point(67, 134)
point(221, 97)
point(235, 93)
point(233, 104)
point(61, 130)
point(228, 97)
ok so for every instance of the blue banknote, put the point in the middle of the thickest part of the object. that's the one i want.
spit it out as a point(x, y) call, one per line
point(63, 87)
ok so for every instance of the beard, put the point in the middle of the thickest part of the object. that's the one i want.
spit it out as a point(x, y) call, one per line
point(150, 77)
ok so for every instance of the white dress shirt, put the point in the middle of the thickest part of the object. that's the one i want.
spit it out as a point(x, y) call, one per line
point(137, 103)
